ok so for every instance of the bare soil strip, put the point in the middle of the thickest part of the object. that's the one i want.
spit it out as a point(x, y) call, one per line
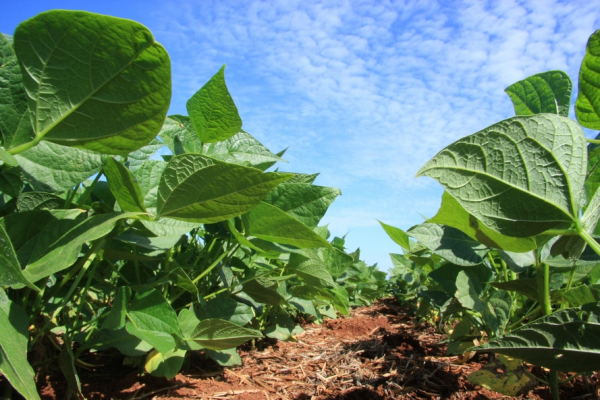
point(379, 352)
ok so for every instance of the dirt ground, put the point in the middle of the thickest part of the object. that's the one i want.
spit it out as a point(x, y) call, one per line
point(379, 352)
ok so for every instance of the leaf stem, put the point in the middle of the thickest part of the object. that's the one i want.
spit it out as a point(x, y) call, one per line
point(590, 241)
point(89, 189)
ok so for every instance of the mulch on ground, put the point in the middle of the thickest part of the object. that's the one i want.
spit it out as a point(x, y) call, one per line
point(379, 352)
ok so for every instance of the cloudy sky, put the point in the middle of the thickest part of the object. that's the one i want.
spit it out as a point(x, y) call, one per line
point(364, 92)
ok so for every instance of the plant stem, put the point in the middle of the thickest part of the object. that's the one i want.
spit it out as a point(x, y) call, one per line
point(89, 189)
point(87, 261)
point(590, 240)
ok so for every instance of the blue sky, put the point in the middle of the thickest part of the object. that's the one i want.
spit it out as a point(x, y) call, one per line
point(364, 92)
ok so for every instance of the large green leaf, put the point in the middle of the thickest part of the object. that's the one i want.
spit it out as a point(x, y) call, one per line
point(123, 186)
point(11, 181)
point(226, 309)
point(139, 156)
point(497, 311)
point(468, 288)
point(525, 286)
point(568, 340)
point(592, 180)
point(305, 202)
point(451, 213)
point(267, 222)
point(165, 365)
point(178, 129)
point(15, 125)
point(10, 269)
point(447, 274)
point(213, 112)
point(217, 334)
point(23, 228)
point(311, 268)
point(587, 106)
point(13, 348)
point(93, 81)
point(261, 292)
point(39, 201)
point(548, 92)
point(59, 243)
point(449, 243)
point(154, 320)
point(148, 176)
point(196, 188)
point(520, 177)
point(51, 167)
point(242, 148)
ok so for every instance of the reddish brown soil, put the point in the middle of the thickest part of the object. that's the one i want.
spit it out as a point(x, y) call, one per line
point(379, 352)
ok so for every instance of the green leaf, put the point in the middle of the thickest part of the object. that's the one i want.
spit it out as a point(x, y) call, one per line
point(148, 176)
point(341, 299)
point(195, 188)
point(548, 92)
point(179, 129)
point(262, 293)
point(139, 156)
point(226, 309)
point(447, 274)
point(154, 320)
point(93, 81)
point(151, 243)
point(518, 262)
point(51, 167)
point(66, 362)
point(311, 268)
point(116, 316)
point(546, 157)
point(213, 112)
point(587, 106)
point(567, 340)
point(225, 358)
point(467, 290)
point(265, 166)
point(280, 327)
point(497, 311)
point(267, 222)
point(217, 334)
point(13, 348)
point(10, 269)
point(592, 180)
point(123, 186)
point(242, 148)
point(165, 365)
point(8, 159)
point(582, 295)
point(451, 213)
point(59, 243)
point(123, 341)
point(11, 181)
point(15, 124)
point(526, 286)
point(39, 201)
point(307, 203)
point(303, 178)
point(397, 235)
point(449, 243)
point(23, 228)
